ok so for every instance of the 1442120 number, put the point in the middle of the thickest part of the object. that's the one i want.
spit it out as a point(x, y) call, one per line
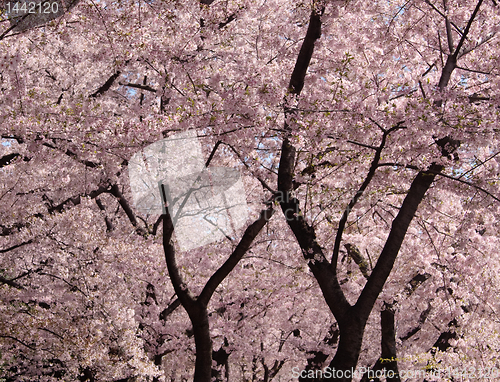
point(31, 7)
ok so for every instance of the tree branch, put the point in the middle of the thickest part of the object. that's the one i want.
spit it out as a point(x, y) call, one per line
point(109, 226)
point(75, 200)
point(156, 225)
point(262, 182)
point(10, 283)
point(362, 145)
point(467, 29)
point(71, 154)
point(170, 309)
point(306, 236)
point(138, 86)
point(421, 322)
point(105, 87)
point(115, 191)
point(248, 237)
point(185, 297)
point(469, 184)
point(7, 159)
point(355, 198)
point(358, 258)
point(16, 246)
point(305, 54)
point(459, 31)
point(448, 28)
point(400, 224)
point(17, 340)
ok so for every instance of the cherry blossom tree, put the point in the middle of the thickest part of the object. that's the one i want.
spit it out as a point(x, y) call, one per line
point(371, 125)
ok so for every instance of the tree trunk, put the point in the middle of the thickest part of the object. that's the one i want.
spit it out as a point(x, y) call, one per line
point(344, 363)
point(203, 343)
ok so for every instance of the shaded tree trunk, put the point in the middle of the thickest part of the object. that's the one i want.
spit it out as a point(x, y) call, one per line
point(387, 361)
point(203, 343)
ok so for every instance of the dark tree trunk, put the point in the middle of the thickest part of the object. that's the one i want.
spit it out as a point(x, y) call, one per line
point(387, 361)
point(389, 357)
point(351, 337)
point(203, 343)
